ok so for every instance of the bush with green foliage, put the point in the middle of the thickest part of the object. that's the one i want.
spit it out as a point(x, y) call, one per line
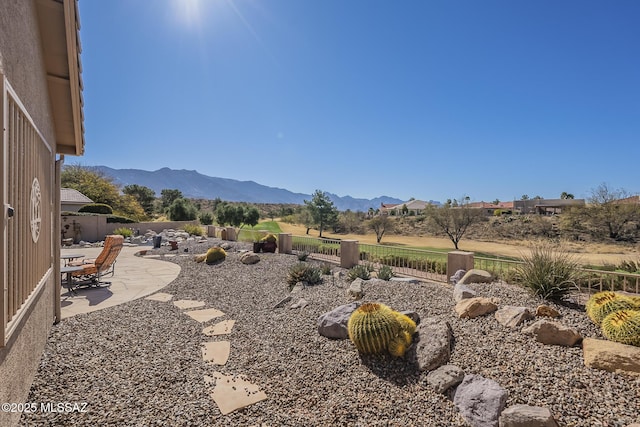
point(116, 219)
point(181, 210)
point(549, 272)
point(97, 208)
point(359, 271)
point(194, 230)
point(385, 273)
point(205, 217)
point(303, 272)
point(302, 256)
point(374, 328)
point(123, 231)
point(215, 254)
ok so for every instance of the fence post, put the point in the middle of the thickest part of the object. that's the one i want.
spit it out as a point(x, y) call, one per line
point(231, 234)
point(458, 260)
point(211, 231)
point(285, 243)
point(349, 254)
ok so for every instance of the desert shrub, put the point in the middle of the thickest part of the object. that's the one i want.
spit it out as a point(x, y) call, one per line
point(194, 230)
point(302, 256)
point(205, 218)
point(385, 273)
point(303, 272)
point(98, 208)
point(549, 272)
point(359, 271)
point(123, 231)
point(326, 269)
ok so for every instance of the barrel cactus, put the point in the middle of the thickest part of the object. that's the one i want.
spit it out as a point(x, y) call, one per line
point(622, 326)
point(374, 328)
point(215, 254)
point(604, 303)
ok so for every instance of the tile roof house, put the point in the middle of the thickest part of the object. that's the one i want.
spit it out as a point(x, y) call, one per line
point(71, 200)
point(41, 119)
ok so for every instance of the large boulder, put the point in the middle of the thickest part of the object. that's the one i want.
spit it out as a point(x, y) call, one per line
point(554, 333)
point(249, 258)
point(546, 311)
point(476, 275)
point(433, 347)
point(355, 289)
point(611, 356)
point(511, 316)
point(459, 274)
point(333, 324)
point(474, 307)
point(480, 400)
point(527, 416)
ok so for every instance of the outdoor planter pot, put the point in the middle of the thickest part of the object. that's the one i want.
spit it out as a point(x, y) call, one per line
point(257, 247)
point(269, 246)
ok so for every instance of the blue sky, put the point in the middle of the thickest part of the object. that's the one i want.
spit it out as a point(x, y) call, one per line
point(412, 98)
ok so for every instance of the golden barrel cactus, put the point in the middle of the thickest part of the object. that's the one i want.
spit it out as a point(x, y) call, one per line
point(602, 304)
point(622, 326)
point(215, 254)
point(374, 328)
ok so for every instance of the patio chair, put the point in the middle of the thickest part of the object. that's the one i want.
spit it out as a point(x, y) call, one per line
point(93, 272)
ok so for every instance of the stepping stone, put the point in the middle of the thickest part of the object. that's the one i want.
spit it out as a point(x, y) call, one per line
point(204, 315)
point(160, 296)
point(216, 352)
point(232, 392)
point(187, 303)
point(220, 328)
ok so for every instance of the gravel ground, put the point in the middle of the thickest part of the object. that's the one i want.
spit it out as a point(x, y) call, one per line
point(140, 363)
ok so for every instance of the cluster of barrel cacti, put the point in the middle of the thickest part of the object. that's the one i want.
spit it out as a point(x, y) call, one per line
point(617, 314)
point(375, 328)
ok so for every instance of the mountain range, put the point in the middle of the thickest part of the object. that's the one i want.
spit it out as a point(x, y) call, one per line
point(198, 186)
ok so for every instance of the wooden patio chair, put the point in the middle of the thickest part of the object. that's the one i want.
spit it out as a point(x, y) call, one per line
point(93, 272)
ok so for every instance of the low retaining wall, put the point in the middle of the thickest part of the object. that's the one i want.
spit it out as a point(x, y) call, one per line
point(93, 228)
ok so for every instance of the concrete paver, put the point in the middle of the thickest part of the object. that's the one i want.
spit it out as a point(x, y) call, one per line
point(134, 277)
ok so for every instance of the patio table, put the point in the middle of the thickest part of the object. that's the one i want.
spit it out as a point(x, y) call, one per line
point(69, 270)
point(70, 257)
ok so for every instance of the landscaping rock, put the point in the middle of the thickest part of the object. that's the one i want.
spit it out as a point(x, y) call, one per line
point(511, 316)
point(445, 377)
point(298, 287)
point(404, 280)
point(433, 347)
point(333, 324)
point(355, 289)
point(302, 303)
point(546, 311)
point(283, 302)
point(474, 307)
point(457, 276)
point(527, 416)
point(249, 258)
point(476, 276)
point(461, 292)
point(480, 400)
point(554, 333)
point(611, 356)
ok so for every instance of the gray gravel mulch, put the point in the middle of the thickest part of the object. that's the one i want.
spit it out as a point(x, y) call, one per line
point(140, 363)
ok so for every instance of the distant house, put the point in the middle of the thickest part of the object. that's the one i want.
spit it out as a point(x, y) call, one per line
point(546, 206)
point(41, 120)
point(413, 207)
point(633, 200)
point(71, 200)
point(490, 208)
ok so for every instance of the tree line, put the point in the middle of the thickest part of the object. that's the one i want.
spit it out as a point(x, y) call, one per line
point(607, 216)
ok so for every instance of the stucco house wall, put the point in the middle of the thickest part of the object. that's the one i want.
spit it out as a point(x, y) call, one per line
point(27, 78)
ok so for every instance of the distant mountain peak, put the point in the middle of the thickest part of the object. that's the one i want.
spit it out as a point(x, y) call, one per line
point(196, 185)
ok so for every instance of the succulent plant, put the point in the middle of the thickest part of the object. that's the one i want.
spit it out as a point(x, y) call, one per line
point(215, 254)
point(622, 326)
point(359, 271)
point(374, 328)
point(604, 303)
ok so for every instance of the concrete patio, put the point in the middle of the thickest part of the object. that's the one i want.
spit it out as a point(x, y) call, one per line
point(134, 277)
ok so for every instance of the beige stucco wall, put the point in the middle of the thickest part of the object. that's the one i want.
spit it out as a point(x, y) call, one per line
point(22, 63)
point(93, 228)
point(20, 358)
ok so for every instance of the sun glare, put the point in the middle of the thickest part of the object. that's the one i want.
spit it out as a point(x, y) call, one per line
point(188, 12)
